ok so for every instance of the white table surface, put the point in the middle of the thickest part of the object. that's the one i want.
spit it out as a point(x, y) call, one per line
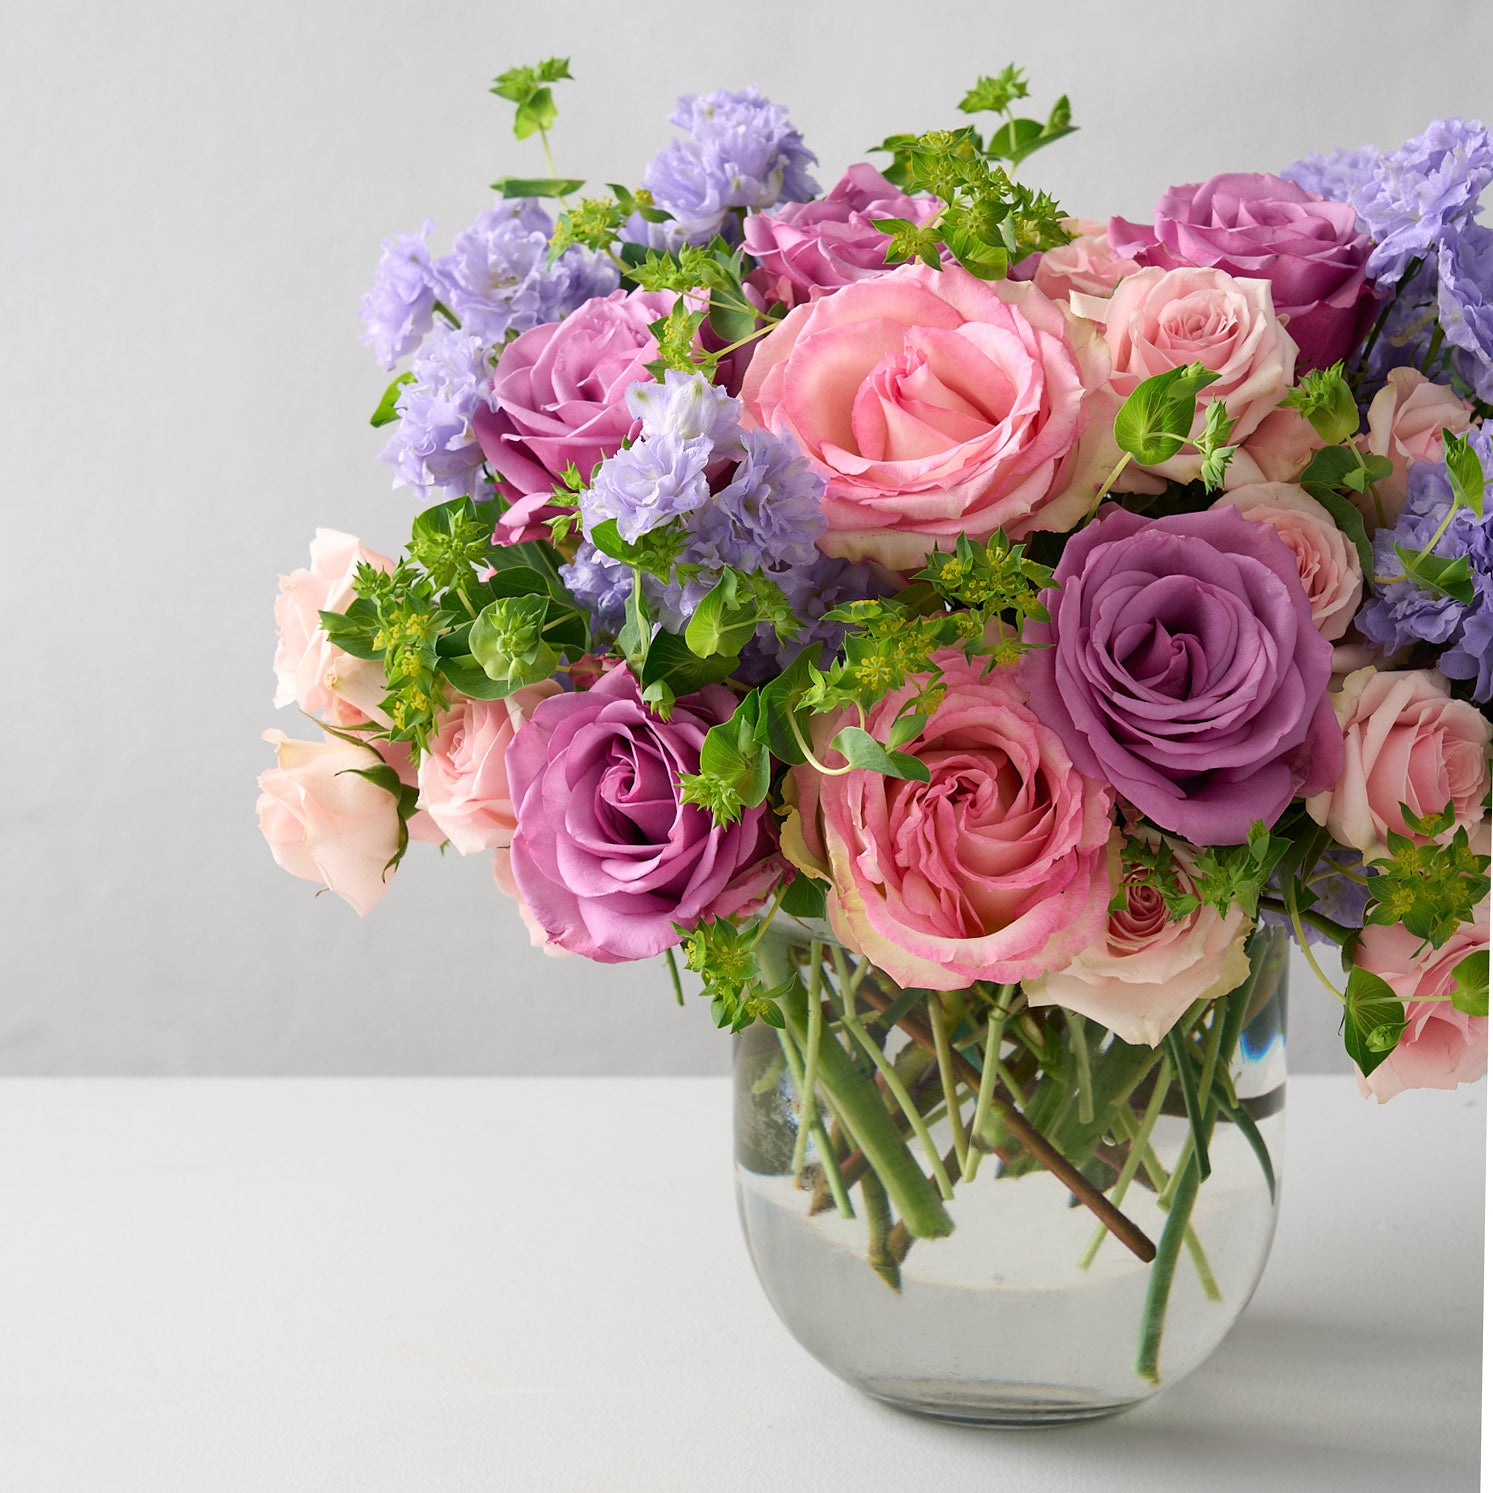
point(453, 1284)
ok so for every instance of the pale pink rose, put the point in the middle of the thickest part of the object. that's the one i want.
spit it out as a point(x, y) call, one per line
point(1406, 419)
point(1442, 1046)
point(1160, 319)
point(463, 775)
point(996, 869)
point(1087, 264)
point(1405, 740)
point(1326, 559)
point(320, 678)
point(326, 823)
point(1278, 450)
point(1143, 974)
point(934, 404)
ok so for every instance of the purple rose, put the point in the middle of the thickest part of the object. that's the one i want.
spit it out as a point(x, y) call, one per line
point(605, 858)
point(807, 248)
point(559, 396)
point(1266, 228)
point(1185, 670)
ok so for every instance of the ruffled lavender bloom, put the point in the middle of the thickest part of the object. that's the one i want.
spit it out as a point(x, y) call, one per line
point(433, 445)
point(497, 278)
point(1464, 297)
point(741, 152)
point(399, 306)
point(599, 584)
point(769, 515)
point(684, 406)
point(648, 484)
point(1423, 192)
point(1337, 175)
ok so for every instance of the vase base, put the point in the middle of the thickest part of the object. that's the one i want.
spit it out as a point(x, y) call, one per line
point(996, 1406)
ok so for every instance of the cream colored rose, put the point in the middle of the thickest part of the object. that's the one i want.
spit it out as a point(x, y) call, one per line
point(1147, 970)
point(1405, 741)
point(1406, 419)
point(1326, 559)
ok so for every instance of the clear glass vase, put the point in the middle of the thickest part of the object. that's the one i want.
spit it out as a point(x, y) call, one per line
point(1052, 1240)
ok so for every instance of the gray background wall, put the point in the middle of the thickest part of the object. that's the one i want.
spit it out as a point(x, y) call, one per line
point(192, 198)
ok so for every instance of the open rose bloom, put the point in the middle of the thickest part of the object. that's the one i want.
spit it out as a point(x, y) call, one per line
point(964, 640)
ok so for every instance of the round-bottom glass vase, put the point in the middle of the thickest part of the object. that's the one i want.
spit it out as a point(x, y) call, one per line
point(931, 1231)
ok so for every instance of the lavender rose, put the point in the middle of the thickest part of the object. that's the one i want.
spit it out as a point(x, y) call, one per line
point(605, 857)
point(808, 248)
point(1185, 670)
point(559, 396)
point(1267, 228)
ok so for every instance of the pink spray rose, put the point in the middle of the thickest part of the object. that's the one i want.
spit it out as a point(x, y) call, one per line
point(1277, 450)
point(326, 823)
point(1087, 264)
point(995, 869)
point(1405, 740)
point(310, 671)
point(1146, 970)
point(1326, 559)
point(559, 396)
point(1185, 670)
point(1161, 319)
point(1257, 226)
point(934, 403)
point(1442, 1046)
point(1405, 420)
point(605, 856)
point(463, 773)
point(808, 248)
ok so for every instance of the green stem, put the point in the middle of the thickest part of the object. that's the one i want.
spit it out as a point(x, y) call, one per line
point(993, 1024)
point(946, 1079)
point(1163, 1270)
point(1078, 1039)
point(674, 975)
point(821, 1140)
point(878, 1229)
point(811, 1055)
point(1138, 1143)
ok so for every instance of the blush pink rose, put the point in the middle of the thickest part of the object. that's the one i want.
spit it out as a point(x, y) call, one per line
point(995, 869)
point(1441, 1046)
point(559, 396)
point(1277, 450)
point(1162, 319)
point(1331, 572)
point(309, 670)
point(1146, 970)
point(934, 404)
point(1087, 264)
point(807, 248)
point(1405, 421)
point(463, 774)
point(324, 822)
point(1405, 740)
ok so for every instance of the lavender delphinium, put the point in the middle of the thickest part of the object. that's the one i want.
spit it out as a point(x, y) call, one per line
point(497, 278)
point(400, 304)
point(1338, 174)
point(741, 152)
point(1464, 296)
point(433, 446)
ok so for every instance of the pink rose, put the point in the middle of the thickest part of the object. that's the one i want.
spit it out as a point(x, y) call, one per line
point(559, 397)
point(1406, 419)
point(1146, 970)
point(995, 869)
point(463, 775)
point(1277, 450)
point(1441, 1046)
point(1087, 264)
point(1249, 224)
point(1331, 572)
point(326, 823)
point(1161, 319)
point(1405, 740)
point(310, 671)
point(934, 403)
point(808, 248)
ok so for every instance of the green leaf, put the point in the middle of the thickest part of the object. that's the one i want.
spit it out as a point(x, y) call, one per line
point(637, 627)
point(1432, 572)
point(1350, 521)
point(861, 749)
point(507, 640)
point(465, 674)
point(670, 660)
point(1330, 467)
point(781, 702)
point(1155, 421)
point(386, 413)
point(904, 729)
point(995, 95)
point(537, 186)
point(1465, 472)
point(1182, 1063)
point(805, 897)
point(1374, 1017)
point(1470, 993)
point(1324, 397)
point(1014, 139)
point(720, 625)
point(535, 114)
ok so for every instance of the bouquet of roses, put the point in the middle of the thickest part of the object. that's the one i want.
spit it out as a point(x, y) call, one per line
point(962, 634)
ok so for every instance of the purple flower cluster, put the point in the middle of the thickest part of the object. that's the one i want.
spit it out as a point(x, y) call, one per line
point(433, 445)
point(398, 308)
point(741, 151)
point(1336, 175)
point(1464, 303)
point(748, 499)
point(1402, 613)
point(1421, 194)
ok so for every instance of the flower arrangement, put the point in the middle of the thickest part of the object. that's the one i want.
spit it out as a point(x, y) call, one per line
point(1027, 614)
